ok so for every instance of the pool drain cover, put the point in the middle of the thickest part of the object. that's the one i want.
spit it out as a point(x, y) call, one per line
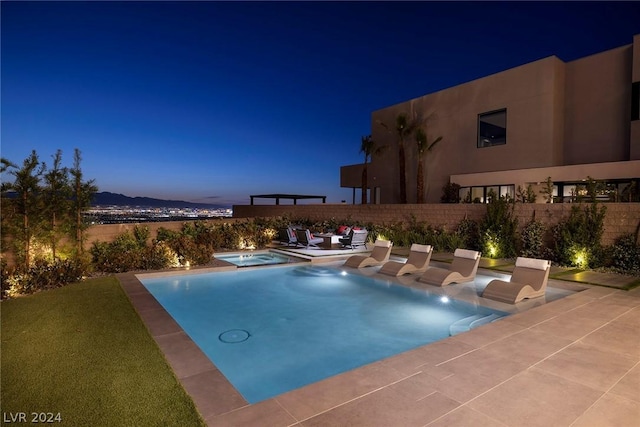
point(233, 336)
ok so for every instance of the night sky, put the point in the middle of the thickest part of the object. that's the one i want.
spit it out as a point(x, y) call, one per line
point(214, 101)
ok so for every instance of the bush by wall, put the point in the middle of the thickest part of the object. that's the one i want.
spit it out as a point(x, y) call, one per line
point(577, 239)
point(624, 254)
point(41, 275)
point(532, 239)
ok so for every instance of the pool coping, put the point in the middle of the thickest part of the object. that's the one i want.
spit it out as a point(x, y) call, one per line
point(340, 396)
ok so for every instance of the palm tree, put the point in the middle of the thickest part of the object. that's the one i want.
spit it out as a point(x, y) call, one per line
point(368, 147)
point(403, 128)
point(423, 147)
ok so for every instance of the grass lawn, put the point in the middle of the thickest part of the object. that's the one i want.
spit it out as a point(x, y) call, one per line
point(82, 352)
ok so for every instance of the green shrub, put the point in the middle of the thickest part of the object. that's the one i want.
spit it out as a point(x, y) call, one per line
point(468, 231)
point(532, 238)
point(625, 254)
point(498, 229)
point(130, 251)
point(577, 238)
point(123, 254)
point(158, 256)
point(42, 275)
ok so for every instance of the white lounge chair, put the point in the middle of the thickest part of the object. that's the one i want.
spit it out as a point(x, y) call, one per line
point(418, 261)
point(462, 269)
point(379, 255)
point(528, 280)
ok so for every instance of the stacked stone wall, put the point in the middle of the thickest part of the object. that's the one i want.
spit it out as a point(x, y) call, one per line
point(620, 218)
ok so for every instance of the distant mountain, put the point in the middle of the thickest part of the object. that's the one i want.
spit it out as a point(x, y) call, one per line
point(106, 198)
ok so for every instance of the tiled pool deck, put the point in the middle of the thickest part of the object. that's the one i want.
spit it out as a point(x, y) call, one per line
point(571, 362)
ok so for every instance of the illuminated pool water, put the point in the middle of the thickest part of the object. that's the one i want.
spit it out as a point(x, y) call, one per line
point(277, 329)
point(255, 259)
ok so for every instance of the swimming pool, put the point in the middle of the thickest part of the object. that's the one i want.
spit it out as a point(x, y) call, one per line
point(255, 259)
point(273, 330)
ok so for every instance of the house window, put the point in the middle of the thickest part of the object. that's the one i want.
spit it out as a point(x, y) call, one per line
point(492, 128)
point(508, 191)
point(482, 194)
point(635, 101)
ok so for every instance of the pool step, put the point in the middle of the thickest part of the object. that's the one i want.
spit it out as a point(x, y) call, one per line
point(468, 323)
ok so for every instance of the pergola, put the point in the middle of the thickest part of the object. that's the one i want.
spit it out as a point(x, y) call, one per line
point(294, 197)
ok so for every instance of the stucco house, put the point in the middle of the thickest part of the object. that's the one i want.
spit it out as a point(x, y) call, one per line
point(569, 121)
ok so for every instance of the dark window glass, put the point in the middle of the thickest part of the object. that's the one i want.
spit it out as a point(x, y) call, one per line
point(635, 101)
point(492, 128)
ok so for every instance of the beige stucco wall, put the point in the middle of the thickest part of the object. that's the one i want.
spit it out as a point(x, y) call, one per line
point(534, 125)
point(598, 107)
point(108, 232)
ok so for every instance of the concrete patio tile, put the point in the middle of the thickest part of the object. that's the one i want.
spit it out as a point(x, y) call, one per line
point(536, 398)
point(416, 386)
point(594, 292)
point(572, 325)
point(618, 336)
point(528, 346)
point(315, 398)
point(629, 385)
point(385, 408)
point(486, 334)
point(184, 356)
point(465, 416)
point(266, 413)
point(212, 393)
point(624, 298)
point(607, 308)
point(159, 322)
point(635, 292)
point(546, 312)
point(632, 317)
point(611, 411)
point(415, 360)
point(476, 373)
point(594, 367)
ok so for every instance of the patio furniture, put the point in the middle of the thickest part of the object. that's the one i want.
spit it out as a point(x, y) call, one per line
point(330, 240)
point(418, 261)
point(343, 230)
point(287, 236)
point(306, 239)
point(462, 269)
point(355, 238)
point(528, 280)
point(379, 255)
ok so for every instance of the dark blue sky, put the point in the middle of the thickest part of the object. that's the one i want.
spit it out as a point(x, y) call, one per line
point(214, 101)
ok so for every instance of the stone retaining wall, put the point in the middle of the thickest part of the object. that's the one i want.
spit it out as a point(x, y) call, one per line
point(620, 217)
